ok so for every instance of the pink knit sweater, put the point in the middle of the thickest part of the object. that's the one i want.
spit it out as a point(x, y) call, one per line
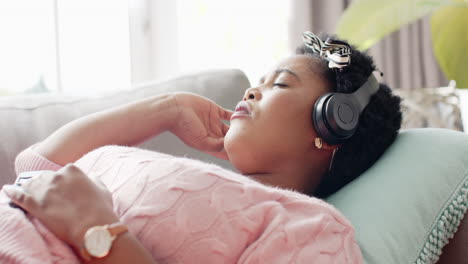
point(187, 211)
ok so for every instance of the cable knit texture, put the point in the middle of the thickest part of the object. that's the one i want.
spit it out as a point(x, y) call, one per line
point(187, 211)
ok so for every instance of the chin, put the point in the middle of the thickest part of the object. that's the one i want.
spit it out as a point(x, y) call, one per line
point(242, 165)
point(239, 155)
point(235, 157)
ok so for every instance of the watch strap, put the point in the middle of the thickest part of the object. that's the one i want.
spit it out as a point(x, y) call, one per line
point(84, 254)
point(116, 229)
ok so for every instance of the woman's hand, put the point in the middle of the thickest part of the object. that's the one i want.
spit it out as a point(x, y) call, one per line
point(67, 202)
point(199, 124)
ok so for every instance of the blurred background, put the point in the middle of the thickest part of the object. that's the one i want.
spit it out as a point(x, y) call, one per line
point(92, 46)
point(76, 47)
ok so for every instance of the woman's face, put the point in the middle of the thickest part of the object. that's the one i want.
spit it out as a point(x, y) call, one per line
point(276, 130)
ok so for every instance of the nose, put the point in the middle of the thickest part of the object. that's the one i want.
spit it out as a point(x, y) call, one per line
point(252, 94)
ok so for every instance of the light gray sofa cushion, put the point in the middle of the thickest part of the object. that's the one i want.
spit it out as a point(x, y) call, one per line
point(25, 120)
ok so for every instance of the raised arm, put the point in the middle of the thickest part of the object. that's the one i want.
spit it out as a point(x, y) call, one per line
point(194, 119)
point(124, 125)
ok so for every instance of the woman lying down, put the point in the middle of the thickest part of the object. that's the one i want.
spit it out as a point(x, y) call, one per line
point(291, 141)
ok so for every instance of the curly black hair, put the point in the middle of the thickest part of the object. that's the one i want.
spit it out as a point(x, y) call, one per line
point(378, 124)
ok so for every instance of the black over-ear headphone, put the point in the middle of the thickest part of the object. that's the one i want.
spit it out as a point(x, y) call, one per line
point(336, 115)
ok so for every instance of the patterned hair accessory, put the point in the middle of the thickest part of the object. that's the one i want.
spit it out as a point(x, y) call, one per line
point(336, 53)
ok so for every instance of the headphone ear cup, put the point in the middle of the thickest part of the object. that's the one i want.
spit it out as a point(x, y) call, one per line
point(319, 119)
point(342, 115)
point(336, 117)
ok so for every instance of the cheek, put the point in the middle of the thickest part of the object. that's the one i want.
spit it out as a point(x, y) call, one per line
point(288, 115)
point(282, 123)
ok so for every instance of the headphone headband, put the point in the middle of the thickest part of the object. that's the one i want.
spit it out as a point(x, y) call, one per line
point(364, 93)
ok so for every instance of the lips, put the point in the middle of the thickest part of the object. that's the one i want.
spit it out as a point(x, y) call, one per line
point(242, 109)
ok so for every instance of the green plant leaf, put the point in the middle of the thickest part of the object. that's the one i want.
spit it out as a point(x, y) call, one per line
point(365, 22)
point(449, 27)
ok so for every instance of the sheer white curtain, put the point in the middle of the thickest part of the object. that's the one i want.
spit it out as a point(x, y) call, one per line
point(405, 56)
point(68, 46)
point(93, 45)
point(174, 37)
point(153, 39)
point(27, 46)
point(88, 46)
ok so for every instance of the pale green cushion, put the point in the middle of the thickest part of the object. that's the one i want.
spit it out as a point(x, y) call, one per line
point(407, 205)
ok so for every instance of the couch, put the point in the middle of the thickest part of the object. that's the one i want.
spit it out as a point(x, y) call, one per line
point(425, 168)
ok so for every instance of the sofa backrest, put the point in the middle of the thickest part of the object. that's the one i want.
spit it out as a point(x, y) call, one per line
point(25, 120)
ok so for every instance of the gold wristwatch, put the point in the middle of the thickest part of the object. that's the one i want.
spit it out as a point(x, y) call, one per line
point(98, 240)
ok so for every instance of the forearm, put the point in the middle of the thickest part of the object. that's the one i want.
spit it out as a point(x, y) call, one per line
point(126, 249)
point(124, 125)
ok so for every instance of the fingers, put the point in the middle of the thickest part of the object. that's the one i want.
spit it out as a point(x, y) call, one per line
point(18, 193)
point(211, 144)
point(215, 147)
point(226, 114)
point(28, 189)
point(225, 129)
point(220, 155)
point(31, 188)
point(26, 176)
point(19, 197)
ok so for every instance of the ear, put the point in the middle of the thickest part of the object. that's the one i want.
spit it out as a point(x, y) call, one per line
point(327, 146)
point(320, 144)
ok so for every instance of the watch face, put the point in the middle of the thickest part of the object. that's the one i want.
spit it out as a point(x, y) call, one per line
point(98, 241)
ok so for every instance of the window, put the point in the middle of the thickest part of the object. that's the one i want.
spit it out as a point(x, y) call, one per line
point(27, 55)
point(69, 46)
point(84, 47)
point(174, 37)
point(94, 45)
point(250, 35)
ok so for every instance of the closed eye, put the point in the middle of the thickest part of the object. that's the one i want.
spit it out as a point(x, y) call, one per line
point(280, 85)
